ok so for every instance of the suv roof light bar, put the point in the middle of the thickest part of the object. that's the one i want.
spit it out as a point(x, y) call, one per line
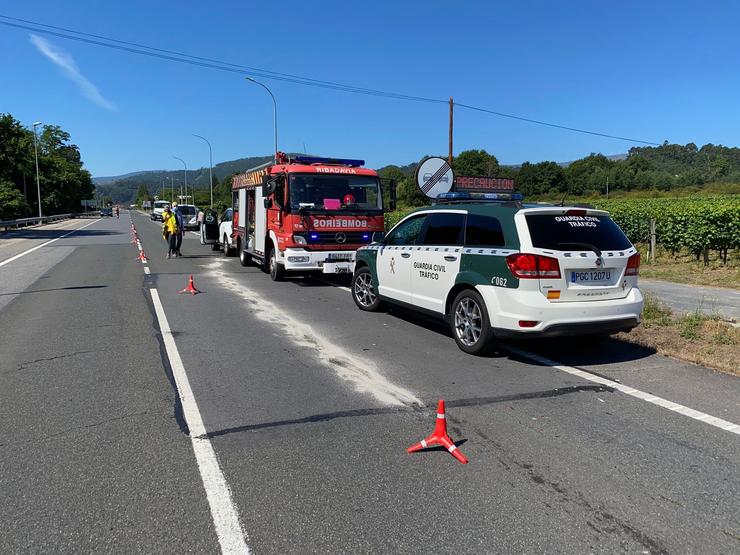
point(463, 195)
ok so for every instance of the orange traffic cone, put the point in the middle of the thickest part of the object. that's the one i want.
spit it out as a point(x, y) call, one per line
point(191, 287)
point(439, 437)
point(142, 257)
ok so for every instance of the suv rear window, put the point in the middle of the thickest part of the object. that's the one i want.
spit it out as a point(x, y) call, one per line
point(569, 233)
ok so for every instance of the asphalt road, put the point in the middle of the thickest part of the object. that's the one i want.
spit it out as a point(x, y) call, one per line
point(690, 298)
point(308, 405)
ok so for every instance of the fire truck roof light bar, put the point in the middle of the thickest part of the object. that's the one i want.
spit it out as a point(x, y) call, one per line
point(322, 160)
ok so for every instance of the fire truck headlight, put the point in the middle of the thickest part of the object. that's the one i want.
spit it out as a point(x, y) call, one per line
point(298, 259)
point(299, 240)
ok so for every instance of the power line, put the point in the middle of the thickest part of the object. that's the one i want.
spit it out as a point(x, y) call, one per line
point(211, 63)
point(555, 125)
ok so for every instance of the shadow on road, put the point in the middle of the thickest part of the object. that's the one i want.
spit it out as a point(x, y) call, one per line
point(55, 233)
point(584, 351)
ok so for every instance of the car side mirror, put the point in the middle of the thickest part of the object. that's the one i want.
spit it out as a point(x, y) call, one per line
point(378, 237)
point(268, 203)
point(268, 185)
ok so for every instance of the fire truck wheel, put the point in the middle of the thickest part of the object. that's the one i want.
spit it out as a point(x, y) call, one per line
point(277, 270)
point(244, 258)
point(363, 290)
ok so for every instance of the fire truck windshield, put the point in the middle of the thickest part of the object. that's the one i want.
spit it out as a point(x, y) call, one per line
point(334, 192)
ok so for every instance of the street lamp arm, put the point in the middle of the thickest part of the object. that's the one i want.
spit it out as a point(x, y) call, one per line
point(274, 110)
point(210, 167)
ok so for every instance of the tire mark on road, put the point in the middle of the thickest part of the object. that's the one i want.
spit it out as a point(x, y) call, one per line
point(421, 409)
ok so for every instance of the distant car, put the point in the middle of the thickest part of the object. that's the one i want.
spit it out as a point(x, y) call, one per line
point(106, 212)
point(189, 216)
point(159, 206)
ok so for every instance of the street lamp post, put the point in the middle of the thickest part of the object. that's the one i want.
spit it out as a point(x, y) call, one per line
point(186, 175)
point(210, 166)
point(38, 180)
point(274, 112)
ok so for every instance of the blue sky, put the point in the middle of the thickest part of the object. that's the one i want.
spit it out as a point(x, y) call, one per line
point(648, 70)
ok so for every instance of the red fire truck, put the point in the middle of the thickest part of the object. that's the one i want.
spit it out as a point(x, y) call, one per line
point(306, 214)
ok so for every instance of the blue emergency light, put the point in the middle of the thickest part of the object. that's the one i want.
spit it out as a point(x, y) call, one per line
point(464, 195)
point(321, 160)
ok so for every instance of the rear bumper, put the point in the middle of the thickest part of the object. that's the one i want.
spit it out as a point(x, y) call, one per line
point(571, 329)
point(507, 307)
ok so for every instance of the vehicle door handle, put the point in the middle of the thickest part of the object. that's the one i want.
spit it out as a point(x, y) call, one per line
point(449, 258)
point(405, 255)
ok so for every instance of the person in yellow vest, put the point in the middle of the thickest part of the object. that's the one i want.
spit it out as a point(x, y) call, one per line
point(169, 231)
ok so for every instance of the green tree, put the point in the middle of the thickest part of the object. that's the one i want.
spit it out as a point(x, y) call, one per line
point(12, 203)
point(143, 194)
point(387, 174)
point(540, 178)
point(476, 163)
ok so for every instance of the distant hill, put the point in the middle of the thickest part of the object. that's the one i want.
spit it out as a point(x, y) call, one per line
point(663, 168)
point(122, 188)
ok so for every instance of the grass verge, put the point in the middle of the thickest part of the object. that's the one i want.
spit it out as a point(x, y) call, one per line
point(694, 337)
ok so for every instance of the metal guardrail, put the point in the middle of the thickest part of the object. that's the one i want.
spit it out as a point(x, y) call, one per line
point(25, 222)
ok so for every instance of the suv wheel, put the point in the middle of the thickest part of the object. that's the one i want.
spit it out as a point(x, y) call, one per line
point(363, 290)
point(470, 325)
point(227, 248)
point(277, 270)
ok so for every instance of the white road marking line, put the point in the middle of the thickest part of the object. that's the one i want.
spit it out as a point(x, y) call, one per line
point(230, 534)
point(17, 256)
point(648, 397)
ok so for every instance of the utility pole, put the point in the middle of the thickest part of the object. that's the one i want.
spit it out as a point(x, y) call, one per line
point(607, 186)
point(449, 157)
point(38, 180)
point(186, 180)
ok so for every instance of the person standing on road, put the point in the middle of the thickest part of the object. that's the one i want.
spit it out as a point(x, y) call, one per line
point(180, 227)
point(169, 231)
point(118, 211)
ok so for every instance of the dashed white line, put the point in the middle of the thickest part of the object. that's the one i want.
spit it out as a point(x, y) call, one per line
point(647, 397)
point(229, 531)
point(17, 256)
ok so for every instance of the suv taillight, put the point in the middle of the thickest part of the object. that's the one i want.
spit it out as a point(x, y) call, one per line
point(633, 265)
point(533, 266)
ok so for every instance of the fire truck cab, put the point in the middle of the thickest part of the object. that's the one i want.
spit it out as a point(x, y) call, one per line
point(306, 214)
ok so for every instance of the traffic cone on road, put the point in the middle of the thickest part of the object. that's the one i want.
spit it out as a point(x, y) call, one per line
point(142, 257)
point(191, 287)
point(439, 437)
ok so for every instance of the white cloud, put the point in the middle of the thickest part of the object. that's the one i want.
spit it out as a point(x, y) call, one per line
point(68, 66)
